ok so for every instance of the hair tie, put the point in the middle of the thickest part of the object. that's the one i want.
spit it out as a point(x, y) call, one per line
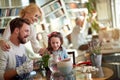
point(53, 33)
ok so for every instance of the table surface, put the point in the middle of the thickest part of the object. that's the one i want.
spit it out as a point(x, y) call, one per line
point(109, 51)
point(107, 74)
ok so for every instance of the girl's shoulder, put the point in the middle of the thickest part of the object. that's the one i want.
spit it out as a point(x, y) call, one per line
point(63, 49)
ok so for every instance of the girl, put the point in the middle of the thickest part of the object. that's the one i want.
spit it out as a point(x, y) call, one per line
point(55, 41)
point(56, 51)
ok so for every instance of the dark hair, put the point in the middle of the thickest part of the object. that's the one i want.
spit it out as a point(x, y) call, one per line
point(54, 34)
point(17, 23)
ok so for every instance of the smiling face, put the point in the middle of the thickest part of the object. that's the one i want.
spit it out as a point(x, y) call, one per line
point(55, 43)
point(23, 33)
point(33, 17)
point(32, 12)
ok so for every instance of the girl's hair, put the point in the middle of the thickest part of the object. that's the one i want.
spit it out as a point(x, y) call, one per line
point(31, 9)
point(54, 34)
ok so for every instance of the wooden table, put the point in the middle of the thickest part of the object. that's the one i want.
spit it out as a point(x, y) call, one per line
point(107, 74)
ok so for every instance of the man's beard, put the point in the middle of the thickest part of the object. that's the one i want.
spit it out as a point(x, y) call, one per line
point(21, 40)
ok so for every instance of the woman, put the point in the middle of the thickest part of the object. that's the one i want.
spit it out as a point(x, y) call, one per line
point(33, 13)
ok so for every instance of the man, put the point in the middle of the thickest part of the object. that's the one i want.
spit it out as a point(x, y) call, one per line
point(33, 13)
point(79, 33)
point(14, 64)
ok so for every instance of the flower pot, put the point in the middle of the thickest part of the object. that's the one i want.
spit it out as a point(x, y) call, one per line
point(96, 60)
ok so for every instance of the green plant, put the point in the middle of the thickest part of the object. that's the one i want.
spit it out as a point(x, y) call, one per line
point(43, 62)
point(95, 26)
point(95, 47)
point(90, 5)
point(45, 59)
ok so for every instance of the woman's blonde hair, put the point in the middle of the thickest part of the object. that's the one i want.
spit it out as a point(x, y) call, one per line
point(32, 8)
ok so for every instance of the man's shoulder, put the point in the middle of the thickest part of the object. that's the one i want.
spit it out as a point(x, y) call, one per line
point(4, 53)
point(75, 31)
point(76, 27)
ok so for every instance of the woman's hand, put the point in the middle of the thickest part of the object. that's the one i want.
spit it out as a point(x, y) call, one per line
point(42, 51)
point(4, 46)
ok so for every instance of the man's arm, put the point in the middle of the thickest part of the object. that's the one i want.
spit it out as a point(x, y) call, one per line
point(8, 75)
point(5, 74)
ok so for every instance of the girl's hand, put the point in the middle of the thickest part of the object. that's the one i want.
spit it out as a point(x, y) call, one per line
point(67, 59)
point(4, 46)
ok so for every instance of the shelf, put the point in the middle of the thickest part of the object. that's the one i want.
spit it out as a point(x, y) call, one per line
point(11, 17)
point(52, 8)
point(52, 12)
point(59, 22)
point(76, 1)
point(55, 16)
point(60, 17)
point(65, 32)
point(12, 7)
point(3, 22)
point(78, 10)
point(9, 12)
point(75, 7)
point(49, 3)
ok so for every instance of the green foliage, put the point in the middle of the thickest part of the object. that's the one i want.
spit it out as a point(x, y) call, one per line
point(90, 6)
point(95, 26)
point(45, 59)
point(92, 18)
point(95, 47)
point(43, 62)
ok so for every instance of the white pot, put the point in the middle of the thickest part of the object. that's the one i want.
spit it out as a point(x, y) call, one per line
point(65, 67)
point(96, 60)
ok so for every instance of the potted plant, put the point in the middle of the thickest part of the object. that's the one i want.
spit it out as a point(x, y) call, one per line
point(43, 63)
point(96, 56)
point(94, 49)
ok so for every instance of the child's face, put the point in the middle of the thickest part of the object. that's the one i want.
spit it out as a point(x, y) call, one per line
point(55, 43)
